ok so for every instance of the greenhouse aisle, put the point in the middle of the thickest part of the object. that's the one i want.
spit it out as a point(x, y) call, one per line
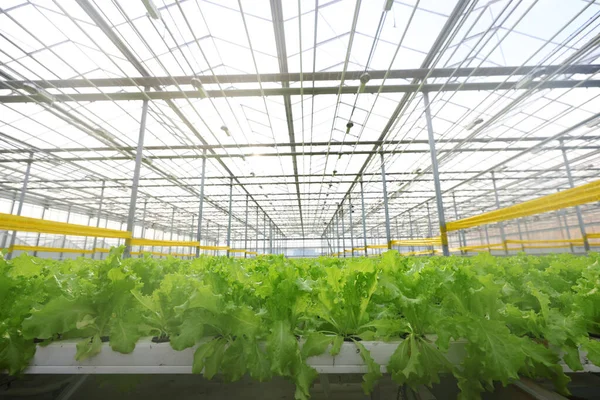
point(188, 387)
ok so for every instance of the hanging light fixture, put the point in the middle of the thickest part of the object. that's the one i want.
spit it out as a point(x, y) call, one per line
point(364, 78)
point(226, 130)
point(349, 126)
point(474, 123)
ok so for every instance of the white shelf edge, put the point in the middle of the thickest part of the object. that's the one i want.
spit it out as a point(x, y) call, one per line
point(160, 358)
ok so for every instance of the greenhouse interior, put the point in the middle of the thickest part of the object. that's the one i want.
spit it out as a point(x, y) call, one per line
point(300, 199)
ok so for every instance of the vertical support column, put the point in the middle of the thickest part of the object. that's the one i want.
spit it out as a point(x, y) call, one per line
point(37, 240)
point(500, 224)
point(566, 222)
point(410, 223)
point(520, 233)
point(436, 176)
point(343, 230)
point(270, 238)
point(429, 229)
point(264, 233)
point(256, 237)
point(64, 241)
point(98, 218)
point(487, 237)
point(218, 238)
point(351, 227)
point(207, 234)
point(229, 223)
point(200, 207)
point(192, 234)
point(481, 236)
point(388, 235)
point(143, 227)
point(21, 201)
point(462, 240)
point(586, 244)
point(154, 236)
point(86, 238)
point(337, 231)
point(5, 236)
point(136, 178)
point(526, 229)
point(172, 223)
point(364, 226)
point(562, 233)
point(246, 229)
point(172, 229)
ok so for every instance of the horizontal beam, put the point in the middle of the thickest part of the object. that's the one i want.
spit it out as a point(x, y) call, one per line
point(418, 73)
point(446, 173)
point(307, 91)
point(297, 153)
point(299, 144)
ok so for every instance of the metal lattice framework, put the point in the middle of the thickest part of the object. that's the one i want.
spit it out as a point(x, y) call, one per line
point(313, 120)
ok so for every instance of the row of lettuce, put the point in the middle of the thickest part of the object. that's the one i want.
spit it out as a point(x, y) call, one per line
point(518, 316)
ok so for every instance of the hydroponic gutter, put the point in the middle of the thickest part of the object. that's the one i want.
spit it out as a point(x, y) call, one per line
point(159, 358)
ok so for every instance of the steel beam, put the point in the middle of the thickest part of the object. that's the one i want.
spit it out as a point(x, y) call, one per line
point(520, 233)
point(229, 223)
point(586, 244)
point(337, 232)
point(429, 229)
point(417, 73)
point(410, 223)
point(308, 91)
point(500, 224)
point(351, 226)
point(364, 225)
point(436, 176)
point(246, 228)
point(299, 153)
point(21, 201)
point(280, 45)
point(461, 234)
point(343, 230)
point(64, 239)
point(511, 139)
point(37, 240)
point(270, 238)
point(388, 235)
point(143, 227)
point(136, 178)
point(200, 207)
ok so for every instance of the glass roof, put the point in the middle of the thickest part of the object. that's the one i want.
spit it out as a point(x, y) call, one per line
point(508, 84)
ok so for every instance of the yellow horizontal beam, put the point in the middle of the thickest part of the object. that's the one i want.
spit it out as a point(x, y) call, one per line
point(213, 247)
point(575, 241)
point(435, 241)
point(11, 222)
point(579, 195)
point(164, 243)
point(48, 249)
point(377, 246)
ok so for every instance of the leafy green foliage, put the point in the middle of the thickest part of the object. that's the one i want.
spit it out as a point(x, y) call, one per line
point(509, 317)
